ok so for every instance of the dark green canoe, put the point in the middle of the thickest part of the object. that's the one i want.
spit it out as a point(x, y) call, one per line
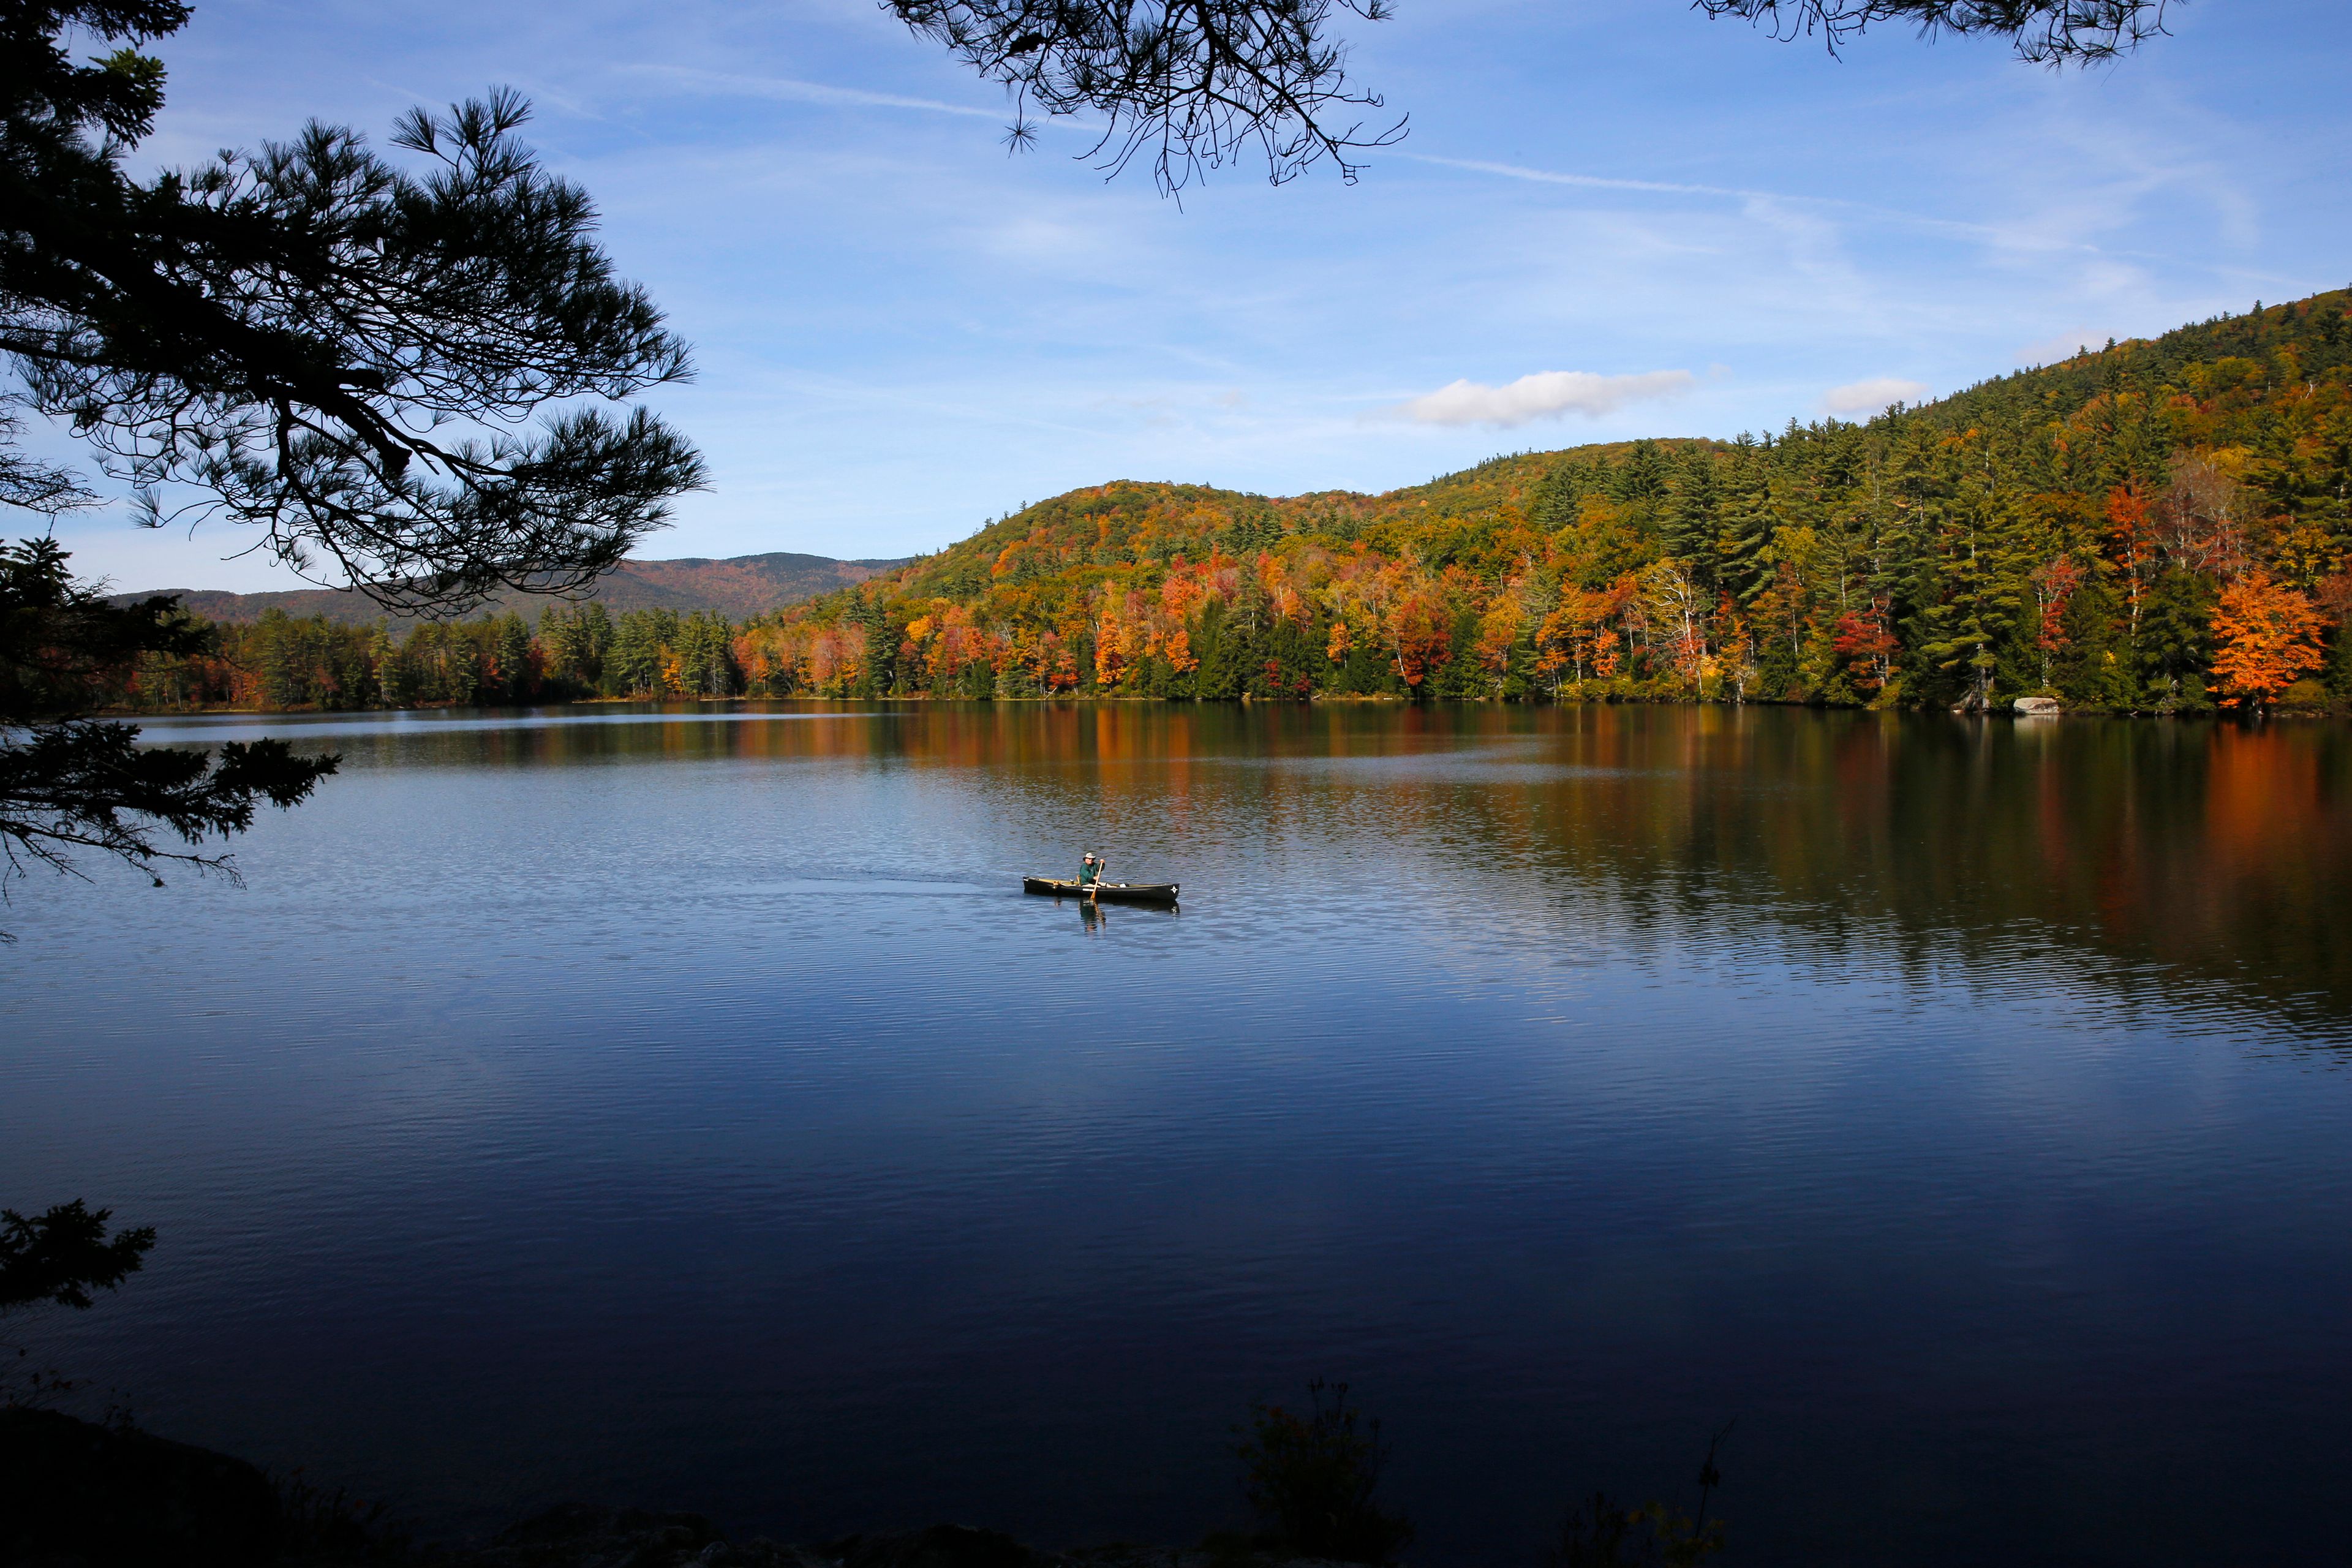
point(1110, 892)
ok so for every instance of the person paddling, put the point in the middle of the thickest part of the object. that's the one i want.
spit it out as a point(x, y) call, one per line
point(1090, 871)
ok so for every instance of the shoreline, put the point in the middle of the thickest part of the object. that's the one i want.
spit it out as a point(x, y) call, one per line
point(2005, 708)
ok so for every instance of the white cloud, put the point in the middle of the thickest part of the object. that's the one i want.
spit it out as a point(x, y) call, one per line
point(2061, 346)
point(1871, 396)
point(1547, 394)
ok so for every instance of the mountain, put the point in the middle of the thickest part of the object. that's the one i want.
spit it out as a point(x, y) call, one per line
point(739, 586)
point(2165, 525)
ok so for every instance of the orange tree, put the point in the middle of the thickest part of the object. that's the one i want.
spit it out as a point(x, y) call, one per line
point(2265, 635)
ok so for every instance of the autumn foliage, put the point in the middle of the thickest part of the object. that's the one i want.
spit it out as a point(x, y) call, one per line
point(2154, 527)
point(2267, 637)
point(1868, 645)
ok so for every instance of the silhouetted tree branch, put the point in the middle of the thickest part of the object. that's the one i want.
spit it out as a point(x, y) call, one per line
point(393, 375)
point(32, 485)
point(1187, 85)
point(383, 370)
point(61, 1256)
point(2046, 32)
point(69, 782)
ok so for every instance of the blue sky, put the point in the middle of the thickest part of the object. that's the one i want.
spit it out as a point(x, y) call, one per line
point(1610, 218)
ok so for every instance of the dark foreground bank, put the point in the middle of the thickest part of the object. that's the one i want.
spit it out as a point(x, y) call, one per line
point(74, 1494)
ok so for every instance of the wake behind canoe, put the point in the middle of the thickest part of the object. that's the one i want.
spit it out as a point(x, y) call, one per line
point(1111, 892)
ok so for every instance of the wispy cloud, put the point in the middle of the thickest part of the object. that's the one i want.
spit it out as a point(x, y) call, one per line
point(2009, 235)
point(1592, 182)
point(1547, 394)
point(1872, 396)
point(902, 329)
point(2061, 346)
point(731, 84)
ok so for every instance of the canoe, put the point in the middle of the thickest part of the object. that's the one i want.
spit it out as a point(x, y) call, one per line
point(1112, 892)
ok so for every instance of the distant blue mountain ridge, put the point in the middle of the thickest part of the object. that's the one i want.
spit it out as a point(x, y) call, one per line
point(739, 586)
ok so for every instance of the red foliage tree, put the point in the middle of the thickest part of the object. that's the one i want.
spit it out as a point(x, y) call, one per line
point(1868, 645)
point(1424, 636)
point(2053, 585)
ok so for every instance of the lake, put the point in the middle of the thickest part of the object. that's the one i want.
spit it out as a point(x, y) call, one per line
point(686, 1106)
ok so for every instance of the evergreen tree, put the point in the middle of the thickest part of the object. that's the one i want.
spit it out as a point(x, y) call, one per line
point(633, 668)
point(877, 675)
point(2176, 642)
point(2092, 667)
point(561, 654)
point(457, 669)
point(1743, 522)
point(1980, 587)
point(514, 659)
point(706, 655)
point(1641, 479)
point(595, 629)
point(1691, 521)
point(1562, 491)
point(391, 670)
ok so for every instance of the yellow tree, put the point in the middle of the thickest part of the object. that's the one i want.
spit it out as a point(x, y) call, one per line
point(1676, 604)
point(1115, 637)
point(1498, 631)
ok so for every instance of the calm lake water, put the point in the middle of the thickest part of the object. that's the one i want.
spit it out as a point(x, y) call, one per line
point(687, 1107)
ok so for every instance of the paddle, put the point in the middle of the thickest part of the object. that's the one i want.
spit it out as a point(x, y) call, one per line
point(1093, 889)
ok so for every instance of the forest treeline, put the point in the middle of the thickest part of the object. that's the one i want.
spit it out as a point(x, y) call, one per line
point(2160, 526)
point(571, 653)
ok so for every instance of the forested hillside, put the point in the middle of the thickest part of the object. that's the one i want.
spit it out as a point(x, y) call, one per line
point(2159, 527)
